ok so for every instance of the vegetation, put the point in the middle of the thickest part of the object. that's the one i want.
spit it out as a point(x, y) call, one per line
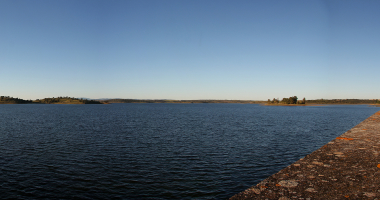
point(273, 101)
point(290, 100)
point(180, 101)
point(11, 100)
point(344, 101)
point(66, 100)
point(58, 100)
point(285, 101)
point(294, 100)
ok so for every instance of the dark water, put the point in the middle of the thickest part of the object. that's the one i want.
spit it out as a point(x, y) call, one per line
point(157, 151)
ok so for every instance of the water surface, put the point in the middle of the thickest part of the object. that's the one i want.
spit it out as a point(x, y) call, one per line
point(157, 151)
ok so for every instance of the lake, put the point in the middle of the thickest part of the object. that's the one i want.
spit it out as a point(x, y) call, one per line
point(157, 151)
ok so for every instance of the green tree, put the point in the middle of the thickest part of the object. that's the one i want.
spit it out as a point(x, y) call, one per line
point(285, 101)
point(293, 100)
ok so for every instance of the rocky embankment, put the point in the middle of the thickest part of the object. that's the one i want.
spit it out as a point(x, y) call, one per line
point(346, 168)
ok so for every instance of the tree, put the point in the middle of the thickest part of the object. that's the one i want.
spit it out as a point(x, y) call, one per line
point(275, 100)
point(293, 100)
point(285, 100)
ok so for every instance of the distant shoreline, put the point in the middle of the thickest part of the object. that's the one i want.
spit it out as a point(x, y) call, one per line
point(58, 100)
point(261, 104)
point(72, 100)
point(300, 104)
point(326, 104)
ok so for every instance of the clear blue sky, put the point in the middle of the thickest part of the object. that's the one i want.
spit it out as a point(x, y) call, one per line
point(189, 49)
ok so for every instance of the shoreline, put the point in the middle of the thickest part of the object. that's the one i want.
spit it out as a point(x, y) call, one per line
point(317, 104)
point(347, 167)
point(194, 102)
point(298, 104)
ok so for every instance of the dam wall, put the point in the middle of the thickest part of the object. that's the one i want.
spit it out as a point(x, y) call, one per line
point(347, 167)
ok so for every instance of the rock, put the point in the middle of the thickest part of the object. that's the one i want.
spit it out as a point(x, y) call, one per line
point(341, 166)
point(369, 194)
point(317, 163)
point(310, 190)
point(255, 190)
point(288, 183)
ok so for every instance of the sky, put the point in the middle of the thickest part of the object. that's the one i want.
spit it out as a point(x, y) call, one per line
point(190, 49)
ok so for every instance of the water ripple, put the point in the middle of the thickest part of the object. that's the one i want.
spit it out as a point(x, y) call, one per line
point(156, 151)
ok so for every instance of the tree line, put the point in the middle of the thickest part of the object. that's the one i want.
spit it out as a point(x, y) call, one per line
point(54, 100)
point(294, 100)
point(290, 100)
point(344, 101)
point(180, 101)
point(11, 100)
point(67, 100)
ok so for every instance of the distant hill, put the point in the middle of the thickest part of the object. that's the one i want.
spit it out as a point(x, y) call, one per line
point(180, 101)
point(343, 101)
point(72, 100)
point(293, 100)
point(11, 100)
point(57, 100)
point(66, 100)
